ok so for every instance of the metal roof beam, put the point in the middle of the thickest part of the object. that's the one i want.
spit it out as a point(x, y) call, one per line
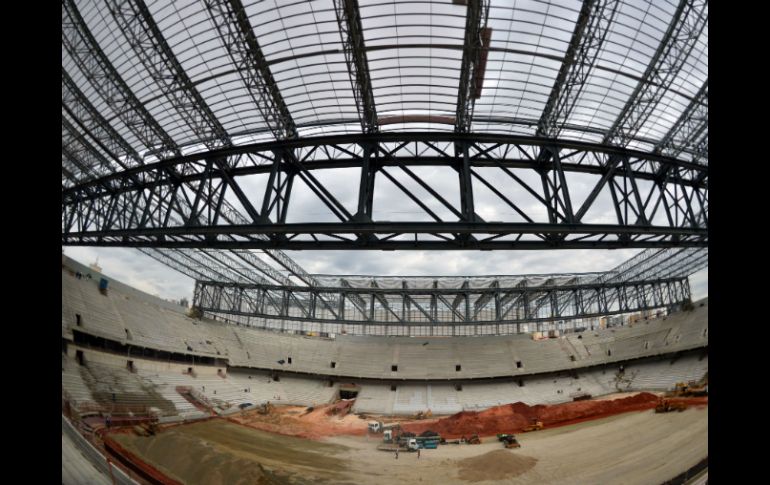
point(349, 19)
point(252, 260)
point(180, 261)
point(591, 28)
point(90, 161)
point(77, 105)
point(145, 38)
point(563, 302)
point(683, 32)
point(687, 130)
point(472, 65)
point(238, 37)
point(85, 51)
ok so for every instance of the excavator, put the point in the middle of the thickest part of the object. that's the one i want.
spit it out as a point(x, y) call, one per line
point(666, 406)
point(423, 415)
point(690, 389)
point(536, 425)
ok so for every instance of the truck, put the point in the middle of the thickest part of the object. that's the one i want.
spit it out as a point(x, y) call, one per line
point(421, 442)
point(380, 427)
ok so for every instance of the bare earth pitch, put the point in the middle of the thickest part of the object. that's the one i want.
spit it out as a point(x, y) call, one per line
point(631, 448)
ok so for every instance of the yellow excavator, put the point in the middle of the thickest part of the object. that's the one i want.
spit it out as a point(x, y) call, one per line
point(536, 425)
point(690, 389)
point(423, 415)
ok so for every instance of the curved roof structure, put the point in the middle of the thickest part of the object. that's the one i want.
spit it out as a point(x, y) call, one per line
point(620, 72)
point(194, 93)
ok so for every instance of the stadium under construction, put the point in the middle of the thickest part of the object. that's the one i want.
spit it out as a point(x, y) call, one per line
point(233, 145)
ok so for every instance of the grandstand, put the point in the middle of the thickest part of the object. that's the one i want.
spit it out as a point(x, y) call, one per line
point(237, 364)
point(216, 138)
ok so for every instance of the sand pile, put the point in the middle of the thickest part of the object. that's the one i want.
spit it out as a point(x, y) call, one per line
point(495, 465)
point(295, 421)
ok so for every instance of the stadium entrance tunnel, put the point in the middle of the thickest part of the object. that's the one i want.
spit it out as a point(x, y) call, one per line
point(349, 391)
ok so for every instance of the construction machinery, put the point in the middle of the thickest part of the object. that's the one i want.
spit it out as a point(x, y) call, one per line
point(380, 427)
point(146, 429)
point(666, 406)
point(473, 440)
point(265, 408)
point(510, 441)
point(423, 415)
point(536, 425)
point(689, 389)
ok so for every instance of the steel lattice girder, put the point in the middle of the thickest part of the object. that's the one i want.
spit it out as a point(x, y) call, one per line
point(682, 193)
point(471, 75)
point(591, 28)
point(689, 129)
point(349, 20)
point(83, 48)
point(79, 152)
point(432, 306)
point(147, 41)
point(686, 26)
point(673, 262)
point(237, 34)
point(77, 106)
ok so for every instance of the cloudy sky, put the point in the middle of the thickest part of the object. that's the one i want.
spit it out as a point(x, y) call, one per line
point(138, 270)
point(518, 79)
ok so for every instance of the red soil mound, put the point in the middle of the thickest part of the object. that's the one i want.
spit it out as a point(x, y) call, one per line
point(330, 419)
point(512, 418)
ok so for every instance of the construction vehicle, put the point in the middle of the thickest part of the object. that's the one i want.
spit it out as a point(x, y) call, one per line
point(265, 408)
point(421, 442)
point(146, 429)
point(689, 389)
point(423, 415)
point(393, 433)
point(473, 440)
point(535, 426)
point(666, 406)
point(379, 426)
point(388, 430)
point(453, 442)
point(510, 441)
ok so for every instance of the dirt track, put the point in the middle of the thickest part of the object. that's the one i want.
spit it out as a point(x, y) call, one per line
point(632, 448)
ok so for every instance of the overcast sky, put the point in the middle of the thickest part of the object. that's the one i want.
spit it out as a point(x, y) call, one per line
point(515, 86)
point(138, 270)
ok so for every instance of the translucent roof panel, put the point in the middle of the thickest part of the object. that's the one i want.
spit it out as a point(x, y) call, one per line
point(525, 50)
point(413, 53)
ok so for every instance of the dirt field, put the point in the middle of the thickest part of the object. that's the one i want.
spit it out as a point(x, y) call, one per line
point(296, 421)
point(631, 448)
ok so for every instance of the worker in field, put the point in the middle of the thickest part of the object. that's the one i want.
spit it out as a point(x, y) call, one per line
point(418, 453)
point(396, 453)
